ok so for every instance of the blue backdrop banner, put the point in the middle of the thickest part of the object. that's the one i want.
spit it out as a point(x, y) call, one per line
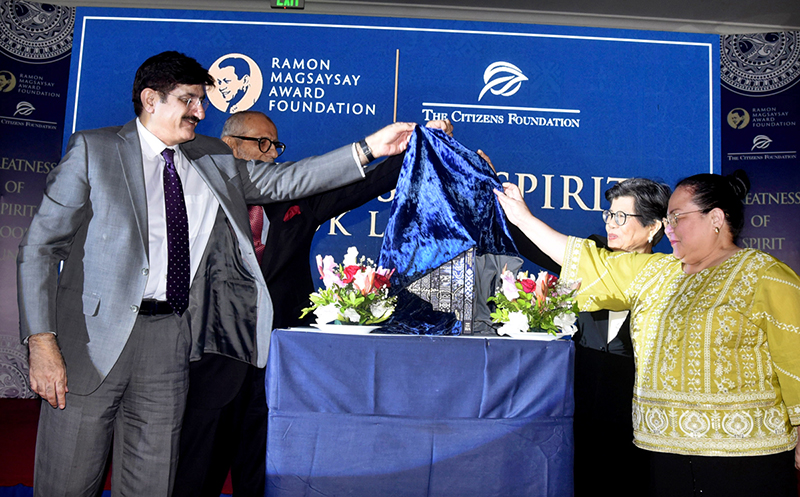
point(562, 111)
point(760, 113)
point(35, 44)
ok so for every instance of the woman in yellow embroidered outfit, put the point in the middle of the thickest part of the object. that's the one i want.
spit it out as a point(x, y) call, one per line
point(716, 334)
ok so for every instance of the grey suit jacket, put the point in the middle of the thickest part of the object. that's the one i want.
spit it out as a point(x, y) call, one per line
point(93, 218)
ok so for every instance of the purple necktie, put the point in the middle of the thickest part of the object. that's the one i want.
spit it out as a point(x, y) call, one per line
point(178, 267)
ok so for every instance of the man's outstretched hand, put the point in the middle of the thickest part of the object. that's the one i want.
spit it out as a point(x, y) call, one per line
point(391, 140)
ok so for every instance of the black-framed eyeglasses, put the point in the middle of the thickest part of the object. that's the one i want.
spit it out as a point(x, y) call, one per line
point(264, 144)
point(190, 101)
point(619, 217)
point(672, 219)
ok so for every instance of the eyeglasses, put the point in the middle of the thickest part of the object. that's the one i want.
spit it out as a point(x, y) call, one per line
point(189, 102)
point(264, 144)
point(672, 219)
point(619, 217)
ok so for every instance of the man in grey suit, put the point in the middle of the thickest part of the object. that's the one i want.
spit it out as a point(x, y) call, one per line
point(140, 246)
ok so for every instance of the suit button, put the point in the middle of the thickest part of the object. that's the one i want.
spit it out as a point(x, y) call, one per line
point(145, 271)
point(135, 308)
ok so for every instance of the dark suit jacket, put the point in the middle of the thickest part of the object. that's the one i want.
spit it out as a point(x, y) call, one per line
point(216, 380)
point(292, 226)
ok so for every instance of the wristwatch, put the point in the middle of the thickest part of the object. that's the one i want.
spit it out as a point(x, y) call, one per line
point(366, 150)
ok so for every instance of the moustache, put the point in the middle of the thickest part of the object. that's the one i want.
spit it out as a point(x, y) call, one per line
point(191, 119)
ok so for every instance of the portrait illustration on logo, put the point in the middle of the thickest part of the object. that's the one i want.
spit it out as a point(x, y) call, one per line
point(238, 83)
point(7, 81)
point(738, 118)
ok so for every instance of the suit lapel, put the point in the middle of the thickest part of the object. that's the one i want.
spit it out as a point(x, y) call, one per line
point(130, 156)
point(219, 181)
point(223, 184)
point(208, 170)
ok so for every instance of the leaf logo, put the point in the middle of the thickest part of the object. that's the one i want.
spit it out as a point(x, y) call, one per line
point(761, 141)
point(24, 109)
point(502, 78)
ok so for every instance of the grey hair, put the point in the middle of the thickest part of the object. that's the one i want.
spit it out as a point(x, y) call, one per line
point(235, 124)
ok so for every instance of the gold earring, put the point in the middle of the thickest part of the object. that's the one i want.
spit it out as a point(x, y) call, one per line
point(716, 230)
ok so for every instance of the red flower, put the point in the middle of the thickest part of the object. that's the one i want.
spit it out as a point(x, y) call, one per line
point(381, 281)
point(528, 286)
point(350, 273)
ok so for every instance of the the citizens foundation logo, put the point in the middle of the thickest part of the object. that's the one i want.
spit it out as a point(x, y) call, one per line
point(502, 78)
point(238, 83)
point(738, 118)
point(7, 81)
point(761, 142)
point(24, 109)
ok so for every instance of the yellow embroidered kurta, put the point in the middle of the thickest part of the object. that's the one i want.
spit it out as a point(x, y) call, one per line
point(717, 352)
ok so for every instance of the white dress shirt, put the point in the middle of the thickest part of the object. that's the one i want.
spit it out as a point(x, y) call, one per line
point(615, 321)
point(201, 209)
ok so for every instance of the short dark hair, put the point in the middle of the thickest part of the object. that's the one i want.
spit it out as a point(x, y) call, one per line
point(240, 66)
point(650, 200)
point(165, 71)
point(711, 191)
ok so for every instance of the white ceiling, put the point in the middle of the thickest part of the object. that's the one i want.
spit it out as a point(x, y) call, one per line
point(696, 16)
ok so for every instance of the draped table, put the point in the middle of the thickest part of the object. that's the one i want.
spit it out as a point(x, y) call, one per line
point(405, 415)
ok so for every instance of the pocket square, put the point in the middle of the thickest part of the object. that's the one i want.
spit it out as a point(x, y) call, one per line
point(292, 212)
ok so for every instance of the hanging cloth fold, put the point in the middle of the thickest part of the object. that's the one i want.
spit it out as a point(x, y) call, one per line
point(443, 206)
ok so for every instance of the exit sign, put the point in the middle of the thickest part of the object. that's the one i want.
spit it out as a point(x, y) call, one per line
point(287, 4)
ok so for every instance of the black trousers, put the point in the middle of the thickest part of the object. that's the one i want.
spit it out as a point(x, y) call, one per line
point(606, 461)
point(673, 475)
point(233, 436)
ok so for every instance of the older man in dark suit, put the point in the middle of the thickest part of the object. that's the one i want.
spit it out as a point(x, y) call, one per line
point(140, 257)
point(226, 417)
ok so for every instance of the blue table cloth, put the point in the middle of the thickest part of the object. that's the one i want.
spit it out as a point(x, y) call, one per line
point(418, 416)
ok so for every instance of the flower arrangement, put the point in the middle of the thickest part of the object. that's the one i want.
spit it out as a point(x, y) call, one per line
point(544, 304)
point(356, 292)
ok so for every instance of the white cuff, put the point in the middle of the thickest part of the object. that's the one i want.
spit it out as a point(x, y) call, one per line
point(354, 149)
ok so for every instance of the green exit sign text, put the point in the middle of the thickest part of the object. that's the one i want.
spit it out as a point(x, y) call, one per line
point(287, 4)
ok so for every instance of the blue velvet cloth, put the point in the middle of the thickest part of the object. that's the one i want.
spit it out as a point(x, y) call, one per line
point(443, 206)
point(415, 316)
